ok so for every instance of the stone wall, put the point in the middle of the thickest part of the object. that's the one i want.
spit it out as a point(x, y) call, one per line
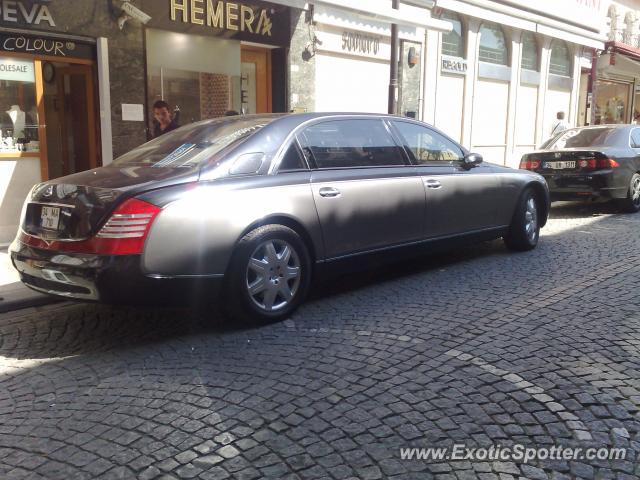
point(302, 70)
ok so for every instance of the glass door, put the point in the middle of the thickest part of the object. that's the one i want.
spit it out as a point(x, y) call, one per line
point(70, 113)
point(255, 93)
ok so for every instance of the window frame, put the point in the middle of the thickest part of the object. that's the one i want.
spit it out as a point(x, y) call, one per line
point(409, 152)
point(533, 37)
point(632, 143)
point(312, 161)
point(507, 51)
point(451, 17)
point(569, 59)
point(296, 144)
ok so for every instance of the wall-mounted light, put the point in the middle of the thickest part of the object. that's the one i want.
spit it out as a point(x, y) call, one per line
point(413, 57)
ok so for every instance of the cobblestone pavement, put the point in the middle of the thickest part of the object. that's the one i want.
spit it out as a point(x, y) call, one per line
point(478, 347)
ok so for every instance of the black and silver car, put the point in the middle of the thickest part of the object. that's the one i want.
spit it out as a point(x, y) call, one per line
point(259, 204)
point(598, 162)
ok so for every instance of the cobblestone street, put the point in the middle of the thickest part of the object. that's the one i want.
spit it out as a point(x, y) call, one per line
point(479, 347)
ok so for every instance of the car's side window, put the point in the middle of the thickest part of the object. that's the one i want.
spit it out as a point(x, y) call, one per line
point(635, 138)
point(427, 145)
point(351, 143)
point(292, 160)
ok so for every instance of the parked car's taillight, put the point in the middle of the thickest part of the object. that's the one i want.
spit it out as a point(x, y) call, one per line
point(601, 163)
point(532, 164)
point(126, 230)
point(124, 233)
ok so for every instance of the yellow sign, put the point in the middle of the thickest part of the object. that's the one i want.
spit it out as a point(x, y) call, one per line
point(223, 15)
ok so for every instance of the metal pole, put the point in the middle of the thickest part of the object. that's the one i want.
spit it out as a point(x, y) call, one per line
point(393, 78)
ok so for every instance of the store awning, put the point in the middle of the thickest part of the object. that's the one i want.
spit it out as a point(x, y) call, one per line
point(378, 13)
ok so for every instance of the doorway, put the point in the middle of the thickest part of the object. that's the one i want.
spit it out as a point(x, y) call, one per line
point(69, 106)
point(255, 92)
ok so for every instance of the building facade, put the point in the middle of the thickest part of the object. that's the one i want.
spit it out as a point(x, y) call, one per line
point(498, 80)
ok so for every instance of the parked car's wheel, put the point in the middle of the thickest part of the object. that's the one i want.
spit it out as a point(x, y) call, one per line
point(631, 204)
point(269, 274)
point(524, 231)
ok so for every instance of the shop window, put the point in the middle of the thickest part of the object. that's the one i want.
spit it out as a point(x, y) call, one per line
point(427, 145)
point(18, 110)
point(493, 46)
point(351, 144)
point(612, 102)
point(560, 59)
point(529, 52)
point(453, 41)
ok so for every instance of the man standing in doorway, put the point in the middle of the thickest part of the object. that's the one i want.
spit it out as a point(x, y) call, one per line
point(164, 121)
point(559, 126)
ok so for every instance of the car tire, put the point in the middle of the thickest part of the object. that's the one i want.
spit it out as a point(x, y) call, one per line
point(631, 204)
point(524, 231)
point(269, 275)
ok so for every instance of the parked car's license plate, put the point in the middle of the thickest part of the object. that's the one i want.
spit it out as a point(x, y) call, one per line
point(50, 217)
point(560, 165)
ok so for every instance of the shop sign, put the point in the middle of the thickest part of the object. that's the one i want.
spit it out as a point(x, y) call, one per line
point(350, 42)
point(25, 12)
point(453, 65)
point(17, 70)
point(354, 42)
point(255, 21)
point(54, 47)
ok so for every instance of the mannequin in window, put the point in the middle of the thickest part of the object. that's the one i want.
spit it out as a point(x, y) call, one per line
point(18, 118)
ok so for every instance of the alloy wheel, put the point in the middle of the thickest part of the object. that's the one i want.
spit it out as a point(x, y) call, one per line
point(273, 275)
point(531, 219)
point(635, 191)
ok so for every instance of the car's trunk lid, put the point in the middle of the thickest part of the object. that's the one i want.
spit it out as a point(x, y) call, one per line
point(76, 206)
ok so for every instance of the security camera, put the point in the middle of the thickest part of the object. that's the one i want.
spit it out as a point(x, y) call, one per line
point(131, 11)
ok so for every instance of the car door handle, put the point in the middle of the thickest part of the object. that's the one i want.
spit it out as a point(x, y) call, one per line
point(329, 192)
point(431, 183)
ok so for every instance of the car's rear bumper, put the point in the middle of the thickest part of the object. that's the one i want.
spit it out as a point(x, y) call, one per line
point(574, 186)
point(115, 279)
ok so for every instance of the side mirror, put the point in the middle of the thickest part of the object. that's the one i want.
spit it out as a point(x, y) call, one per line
point(472, 160)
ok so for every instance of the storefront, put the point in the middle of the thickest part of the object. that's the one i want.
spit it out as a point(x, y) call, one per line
point(616, 89)
point(211, 58)
point(497, 81)
point(48, 116)
point(344, 64)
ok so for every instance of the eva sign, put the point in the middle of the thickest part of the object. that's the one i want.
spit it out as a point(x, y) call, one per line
point(17, 70)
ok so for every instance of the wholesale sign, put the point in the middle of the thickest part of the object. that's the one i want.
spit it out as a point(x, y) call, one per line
point(15, 70)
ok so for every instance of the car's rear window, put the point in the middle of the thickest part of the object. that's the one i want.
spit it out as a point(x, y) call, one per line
point(189, 146)
point(583, 138)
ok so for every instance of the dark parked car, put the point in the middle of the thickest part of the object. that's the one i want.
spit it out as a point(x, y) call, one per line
point(599, 162)
point(258, 204)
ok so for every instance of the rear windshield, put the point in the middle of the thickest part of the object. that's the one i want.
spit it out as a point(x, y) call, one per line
point(190, 145)
point(582, 138)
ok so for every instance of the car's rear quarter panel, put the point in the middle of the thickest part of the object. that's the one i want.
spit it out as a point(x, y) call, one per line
point(196, 233)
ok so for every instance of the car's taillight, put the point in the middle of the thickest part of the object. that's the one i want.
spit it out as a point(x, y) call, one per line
point(597, 164)
point(124, 233)
point(126, 230)
point(532, 164)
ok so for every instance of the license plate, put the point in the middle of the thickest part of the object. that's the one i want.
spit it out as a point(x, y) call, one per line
point(560, 165)
point(50, 217)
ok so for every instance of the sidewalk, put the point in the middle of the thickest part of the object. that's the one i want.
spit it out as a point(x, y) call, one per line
point(13, 294)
